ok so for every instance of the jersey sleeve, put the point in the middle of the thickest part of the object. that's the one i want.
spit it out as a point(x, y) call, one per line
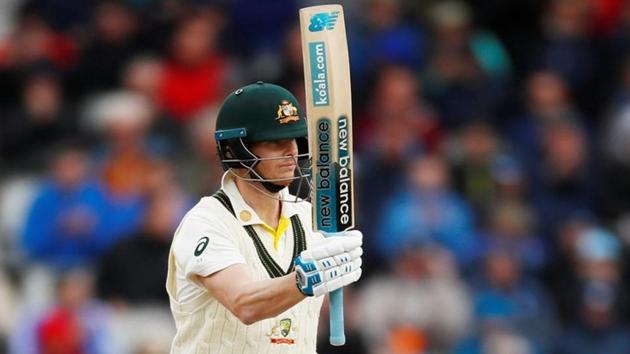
point(203, 247)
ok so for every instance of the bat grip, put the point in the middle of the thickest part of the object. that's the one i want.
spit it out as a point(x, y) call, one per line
point(337, 335)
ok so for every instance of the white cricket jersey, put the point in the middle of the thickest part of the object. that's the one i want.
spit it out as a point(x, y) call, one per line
point(210, 238)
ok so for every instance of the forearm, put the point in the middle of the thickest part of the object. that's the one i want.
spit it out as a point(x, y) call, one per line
point(263, 299)
point(251, 300)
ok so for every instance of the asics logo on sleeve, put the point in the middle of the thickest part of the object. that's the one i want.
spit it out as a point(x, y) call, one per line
point(201, 245)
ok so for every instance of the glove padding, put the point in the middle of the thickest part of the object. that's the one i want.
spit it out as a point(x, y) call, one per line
point(330, 264)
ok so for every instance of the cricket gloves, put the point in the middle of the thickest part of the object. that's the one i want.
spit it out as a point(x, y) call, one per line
point(330, 263)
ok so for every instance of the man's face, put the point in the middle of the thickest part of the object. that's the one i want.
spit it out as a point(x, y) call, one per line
point(279, 168)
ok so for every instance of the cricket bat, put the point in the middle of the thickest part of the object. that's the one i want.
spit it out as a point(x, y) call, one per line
point(329, 117)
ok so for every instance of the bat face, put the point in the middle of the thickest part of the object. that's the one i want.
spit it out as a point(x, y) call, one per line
point(329, 116)
point(329, 112)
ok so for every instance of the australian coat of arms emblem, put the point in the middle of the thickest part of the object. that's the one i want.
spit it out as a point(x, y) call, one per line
point(287, 113)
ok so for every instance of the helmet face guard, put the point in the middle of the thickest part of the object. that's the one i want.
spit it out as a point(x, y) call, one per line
point(234, 153)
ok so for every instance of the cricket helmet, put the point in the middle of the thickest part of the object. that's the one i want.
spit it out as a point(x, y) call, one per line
point(255, 113)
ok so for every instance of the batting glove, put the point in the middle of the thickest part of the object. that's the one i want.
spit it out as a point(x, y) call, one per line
point(330, 264)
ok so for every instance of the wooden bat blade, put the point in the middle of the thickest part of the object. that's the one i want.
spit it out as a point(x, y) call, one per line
point(329, 115)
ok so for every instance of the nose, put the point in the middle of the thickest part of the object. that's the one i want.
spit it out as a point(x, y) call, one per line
point(290, 147)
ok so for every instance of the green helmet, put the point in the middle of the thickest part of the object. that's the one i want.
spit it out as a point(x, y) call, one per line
point(254, 113)
point(260, 112)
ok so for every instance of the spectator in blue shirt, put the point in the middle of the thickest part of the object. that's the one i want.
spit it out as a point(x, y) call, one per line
point(71, 221)
point(426, 209)
point(505, 294)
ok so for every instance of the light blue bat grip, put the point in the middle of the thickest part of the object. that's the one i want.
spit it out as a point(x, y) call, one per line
point(337, 335)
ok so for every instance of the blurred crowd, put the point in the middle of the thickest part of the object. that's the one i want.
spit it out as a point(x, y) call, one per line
point(493, 167)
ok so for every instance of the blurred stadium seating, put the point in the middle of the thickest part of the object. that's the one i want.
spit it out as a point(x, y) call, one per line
point(493, 174)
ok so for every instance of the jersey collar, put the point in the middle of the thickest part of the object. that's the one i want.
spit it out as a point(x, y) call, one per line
point(244, 213)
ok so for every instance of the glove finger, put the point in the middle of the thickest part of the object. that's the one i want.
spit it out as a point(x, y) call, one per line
point(335, 246)
point(353, 233)
point(357, 263)
point(350, 243)
point(327, 263)
point(356, 253)
point(343, 258)
point(329, 248)
point(332, 273)
point(350, 266)
point(351, 277)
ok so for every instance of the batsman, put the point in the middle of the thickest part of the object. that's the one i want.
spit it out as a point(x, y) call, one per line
point(246, 270)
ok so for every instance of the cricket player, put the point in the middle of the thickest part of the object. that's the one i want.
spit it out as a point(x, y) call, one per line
point(246, 271)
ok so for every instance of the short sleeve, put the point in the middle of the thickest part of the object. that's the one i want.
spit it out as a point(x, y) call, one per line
point(204, 246)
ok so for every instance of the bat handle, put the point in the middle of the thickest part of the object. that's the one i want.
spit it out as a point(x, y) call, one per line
point(337, 335)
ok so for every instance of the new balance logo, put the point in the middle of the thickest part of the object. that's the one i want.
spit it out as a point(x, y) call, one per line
point(323, 21)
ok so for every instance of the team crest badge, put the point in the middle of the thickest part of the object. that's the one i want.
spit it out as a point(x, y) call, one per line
point(285, 326)
point(287, 113)
point(283, 332)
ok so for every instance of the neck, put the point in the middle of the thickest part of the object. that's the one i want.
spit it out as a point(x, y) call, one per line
point(266, 205)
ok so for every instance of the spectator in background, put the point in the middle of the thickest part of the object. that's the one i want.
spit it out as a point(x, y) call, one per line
point(123, 119)
point(596, 260)
point(396, 125)
point(196, 73)
point(562, 274)
point(474, 155)
point(76, 324)
point(565, 178)
point(425, 209)
point(398, 119)
point(468, 68)
point(567, 47)
point(68, 223)
point(390, 39)
point(115, 42)
point(429, 303)
point(41, 121)
point(134, 271)
point(198, 169)
point(511, 226)
point(510, 302)
point(34, 42)
point(599, 329)
point(509, 179)
point(144, 75)
point(547, 100)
